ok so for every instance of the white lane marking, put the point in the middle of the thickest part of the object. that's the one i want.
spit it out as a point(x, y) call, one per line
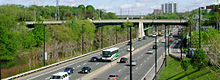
point(136, 68)
point(78, 66)
point(126, 78)
point(84, 63)
point(142, 55)
point(119, 70)
point(47, 78)
point(141, 64)
point(144, 61)
point(97, 63)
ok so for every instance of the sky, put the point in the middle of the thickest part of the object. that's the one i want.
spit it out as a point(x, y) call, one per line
point(123, 7)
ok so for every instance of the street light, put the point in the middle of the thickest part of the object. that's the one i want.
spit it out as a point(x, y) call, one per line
point(130, 55)
point(200, 26)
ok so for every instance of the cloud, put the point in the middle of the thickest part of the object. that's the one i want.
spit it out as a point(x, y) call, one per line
point(126, 6)
point(140, 4)
point(104, 7)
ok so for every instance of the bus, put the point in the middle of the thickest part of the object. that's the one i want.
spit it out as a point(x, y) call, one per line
point(110, 54)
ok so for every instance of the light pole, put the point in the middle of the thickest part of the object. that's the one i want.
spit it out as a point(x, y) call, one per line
point(116, 35)
point(130, 55)
point(83, 38)
point(200, 26)
point(102, 37)
point(165, 45)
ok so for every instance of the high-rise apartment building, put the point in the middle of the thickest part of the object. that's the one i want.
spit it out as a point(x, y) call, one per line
point(170, 7)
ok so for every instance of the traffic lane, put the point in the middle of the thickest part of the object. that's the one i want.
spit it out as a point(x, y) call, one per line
point(51, 71)
point(123, 52)
point(122, 69)
point(79, 65)
point(143, 65)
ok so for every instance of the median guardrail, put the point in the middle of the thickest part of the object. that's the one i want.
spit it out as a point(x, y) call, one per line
point(61, 62)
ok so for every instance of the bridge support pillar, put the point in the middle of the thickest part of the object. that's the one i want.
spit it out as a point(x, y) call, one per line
point(141, 29)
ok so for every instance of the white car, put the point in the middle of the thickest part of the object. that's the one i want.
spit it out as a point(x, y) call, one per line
point(132, 48)
point(150, 51)
point(60, 76)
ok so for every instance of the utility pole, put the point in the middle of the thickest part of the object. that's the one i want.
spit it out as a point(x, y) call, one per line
point(181, 41)
point(165, 45)
point(168, 39)
point(116, 35)
point(199, 30)
point(102, 37)
point(156, 53)
point(130, 55)
point(83, 39)
point(57, 10)
point(44, 46)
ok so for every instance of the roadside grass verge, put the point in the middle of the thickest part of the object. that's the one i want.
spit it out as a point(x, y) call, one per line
point(173, 71)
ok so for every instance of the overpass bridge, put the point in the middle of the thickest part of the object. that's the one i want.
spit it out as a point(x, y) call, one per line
point(142, 23)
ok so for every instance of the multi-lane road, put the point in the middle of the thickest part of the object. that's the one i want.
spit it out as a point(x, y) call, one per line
point(144, 63)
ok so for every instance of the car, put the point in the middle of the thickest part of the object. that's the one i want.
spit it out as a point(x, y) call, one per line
point(123, 60)
point(154, 47)
point(60, 76)
point(94, 59)
point(132, 48)
point(129, 43)
point(154, 35)
point(69, 70)
point(150, 51)
point(133, 63)
point(139, 39)
point(113, 77)
point(85, 69)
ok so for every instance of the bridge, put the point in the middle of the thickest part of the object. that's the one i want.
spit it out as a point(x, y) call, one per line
point(142, 23)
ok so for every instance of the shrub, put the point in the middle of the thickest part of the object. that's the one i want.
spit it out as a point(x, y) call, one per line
point(199, 59)
point(185, 62)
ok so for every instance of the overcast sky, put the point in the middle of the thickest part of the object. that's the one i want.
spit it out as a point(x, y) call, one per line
point(124, 7)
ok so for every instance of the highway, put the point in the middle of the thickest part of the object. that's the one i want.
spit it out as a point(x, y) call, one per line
point(79, 63)
point(144, 63)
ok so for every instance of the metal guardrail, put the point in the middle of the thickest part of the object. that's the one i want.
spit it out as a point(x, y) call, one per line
point(61, 62)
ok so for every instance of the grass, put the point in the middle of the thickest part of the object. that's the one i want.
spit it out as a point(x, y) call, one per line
point(173, 71)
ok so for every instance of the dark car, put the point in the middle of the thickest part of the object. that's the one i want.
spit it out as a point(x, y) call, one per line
point(139, 39)
point(129, 43)
point(154, 47)
point(69, 70)
point(94, 59)
point(85, 69)
point(123, 60)
point(113, 77)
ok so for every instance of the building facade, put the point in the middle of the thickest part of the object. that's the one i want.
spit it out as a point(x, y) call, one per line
point(170, 7)
point(157, 12)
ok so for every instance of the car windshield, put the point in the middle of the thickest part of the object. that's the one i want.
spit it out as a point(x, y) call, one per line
point(112, 75)
point(68, 69)
point(132, 60)
point(106, 54)
point(85, 68)
point(56, 77)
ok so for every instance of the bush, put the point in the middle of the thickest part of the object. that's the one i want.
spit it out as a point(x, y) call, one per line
point(185, 62)
point(199, 59)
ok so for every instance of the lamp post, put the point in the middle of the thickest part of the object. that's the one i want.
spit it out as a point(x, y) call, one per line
point(200, 26)
point(165, 45)
point(44, 46)
point(83, 39)
point(130, 55)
